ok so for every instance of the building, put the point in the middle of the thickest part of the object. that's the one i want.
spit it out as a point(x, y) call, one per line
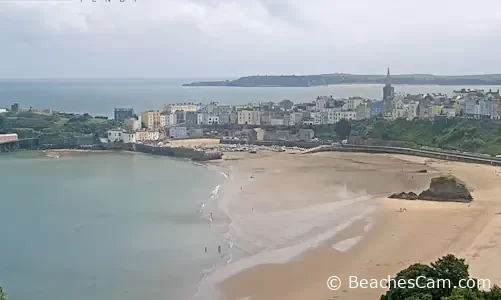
point(352, 103)
point(295, 118)
point(122, 114)
point(224, 117)
point(172, 108)
point(377, 109)
point(191, 118)
point(178, 132)
point(196, 132)
point(388, 93)
point(150, 120)
point(8, 137)
point(14, 108)
point(128, 137)
point(249, 117)
point(147, 135)
point(131, 125)
point(363, 111)
point(259, 134)
point(306, 135)
point(277, 121)
point(212, 120)
point(388, 89)
point(115, 135)
point(3, 110)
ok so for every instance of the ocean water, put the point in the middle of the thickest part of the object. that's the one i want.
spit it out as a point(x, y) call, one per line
point(100, 97)
point(106, 226)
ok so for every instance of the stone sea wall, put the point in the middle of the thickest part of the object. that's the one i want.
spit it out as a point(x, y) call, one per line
point(175, 152)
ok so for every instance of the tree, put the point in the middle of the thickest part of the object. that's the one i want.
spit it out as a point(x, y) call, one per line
point(430, 280)
point(2, 294)
point(343, 128)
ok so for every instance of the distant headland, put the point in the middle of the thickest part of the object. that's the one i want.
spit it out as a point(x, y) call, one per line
point(340, 78)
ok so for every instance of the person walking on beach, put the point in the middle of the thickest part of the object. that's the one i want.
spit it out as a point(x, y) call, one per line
point(219, 249)
point(205, 249)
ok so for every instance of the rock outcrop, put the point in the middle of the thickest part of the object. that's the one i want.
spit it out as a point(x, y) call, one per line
point(405, 196)
point(446, 188)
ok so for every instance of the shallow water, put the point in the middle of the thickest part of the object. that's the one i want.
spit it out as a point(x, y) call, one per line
point(105, 226)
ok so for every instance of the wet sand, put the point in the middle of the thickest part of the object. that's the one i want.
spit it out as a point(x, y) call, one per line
point(290, 196)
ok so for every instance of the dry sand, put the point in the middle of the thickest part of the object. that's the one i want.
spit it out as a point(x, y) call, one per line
point(288, 191)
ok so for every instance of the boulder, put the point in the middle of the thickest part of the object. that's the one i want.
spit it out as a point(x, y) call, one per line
point(446, 188)
point(404, 195)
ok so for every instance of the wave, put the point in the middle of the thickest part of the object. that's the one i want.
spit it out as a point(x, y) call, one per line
point(279, 237)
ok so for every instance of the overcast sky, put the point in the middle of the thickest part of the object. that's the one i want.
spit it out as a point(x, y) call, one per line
point(232, 38)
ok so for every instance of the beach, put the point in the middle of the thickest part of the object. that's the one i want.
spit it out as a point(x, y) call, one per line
point(305, 217)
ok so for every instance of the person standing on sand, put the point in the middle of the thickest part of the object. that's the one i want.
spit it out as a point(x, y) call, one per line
point(219, 249)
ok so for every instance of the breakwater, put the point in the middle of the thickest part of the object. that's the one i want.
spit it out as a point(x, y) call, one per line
point(197, 155)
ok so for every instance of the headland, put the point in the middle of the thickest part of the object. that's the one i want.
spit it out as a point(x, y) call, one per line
point(340, 78)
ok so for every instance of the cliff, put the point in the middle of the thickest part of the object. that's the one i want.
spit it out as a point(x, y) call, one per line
point(332, 79)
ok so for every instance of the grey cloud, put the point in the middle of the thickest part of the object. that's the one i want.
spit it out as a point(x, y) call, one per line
point(230, 38)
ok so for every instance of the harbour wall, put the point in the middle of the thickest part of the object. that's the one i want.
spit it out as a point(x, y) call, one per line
point(175, 152)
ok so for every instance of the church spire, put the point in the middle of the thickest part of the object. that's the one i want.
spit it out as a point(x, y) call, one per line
point(388, 77)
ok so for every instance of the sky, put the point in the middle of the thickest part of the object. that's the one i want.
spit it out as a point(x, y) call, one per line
point(226, 39)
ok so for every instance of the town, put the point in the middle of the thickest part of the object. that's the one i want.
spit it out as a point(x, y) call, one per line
point(184, 120)
point(311, 121)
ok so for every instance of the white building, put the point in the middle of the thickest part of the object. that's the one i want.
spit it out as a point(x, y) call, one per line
point(201, 117)
point(352, 103)
point(249, 117)
point(115, 135)
point(348, 115)
point(3, 110)
point(178, 132)
point(128, 137)
point(449, 111)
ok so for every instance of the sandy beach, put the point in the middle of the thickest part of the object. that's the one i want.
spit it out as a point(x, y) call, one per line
point(306, 217)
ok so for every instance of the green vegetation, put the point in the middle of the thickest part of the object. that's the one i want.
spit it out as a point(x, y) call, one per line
point(2, 294)
point(56, 127)
point(481, 136)
point(437, 281)
point(343, 129)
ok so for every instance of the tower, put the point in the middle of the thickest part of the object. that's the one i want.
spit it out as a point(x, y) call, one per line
point(388, 93)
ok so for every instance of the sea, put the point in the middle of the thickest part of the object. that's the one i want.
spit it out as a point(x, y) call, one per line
point(124, 225)
point(100, 97)
point(107, 226)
